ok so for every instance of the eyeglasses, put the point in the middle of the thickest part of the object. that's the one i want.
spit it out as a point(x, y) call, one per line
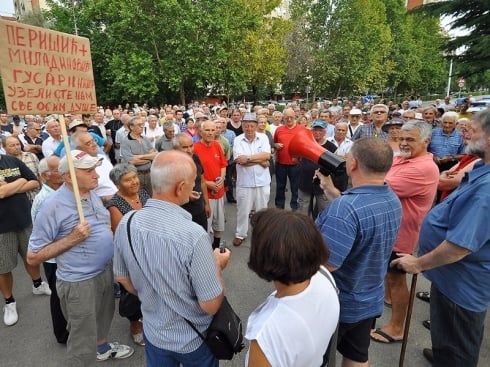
point(89, 143)
point(378, 112)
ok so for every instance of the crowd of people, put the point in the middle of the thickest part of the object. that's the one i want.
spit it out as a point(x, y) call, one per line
point(416, 177)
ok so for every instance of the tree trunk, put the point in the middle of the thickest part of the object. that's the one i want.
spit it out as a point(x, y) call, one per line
point(182, 92)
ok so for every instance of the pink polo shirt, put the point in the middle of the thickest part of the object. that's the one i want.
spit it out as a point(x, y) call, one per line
point(414, 181)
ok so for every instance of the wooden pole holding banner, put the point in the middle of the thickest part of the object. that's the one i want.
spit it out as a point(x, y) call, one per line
point(413, 289)
point(71, 167)
point(47, 72)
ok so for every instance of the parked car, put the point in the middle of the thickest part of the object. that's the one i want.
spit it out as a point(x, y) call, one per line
point(479, 105)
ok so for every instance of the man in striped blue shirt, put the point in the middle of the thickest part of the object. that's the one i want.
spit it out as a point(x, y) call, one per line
point(360, 227)
point(173, 269)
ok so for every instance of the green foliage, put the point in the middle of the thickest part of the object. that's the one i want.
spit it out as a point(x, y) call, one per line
point(471, 48)
point(161, 51)
point(154, 48)
point(34, 18)
point(354, 55)
point(351, 47)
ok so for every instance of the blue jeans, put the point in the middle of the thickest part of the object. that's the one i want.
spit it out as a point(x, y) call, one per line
point(201, 357)
point(283, 172)
point(456, 333)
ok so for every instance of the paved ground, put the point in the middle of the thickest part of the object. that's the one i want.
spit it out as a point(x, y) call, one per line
point(31, 343)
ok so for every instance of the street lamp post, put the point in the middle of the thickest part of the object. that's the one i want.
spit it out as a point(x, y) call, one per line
point(449, 78)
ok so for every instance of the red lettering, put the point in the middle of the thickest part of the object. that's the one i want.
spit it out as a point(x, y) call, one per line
point(24, 76)
point(61, 79)
point(20, 106)
point(41, 106)
point(19, 36)
point(32, 37)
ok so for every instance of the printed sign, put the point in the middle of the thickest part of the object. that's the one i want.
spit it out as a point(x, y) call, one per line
point(44, 71)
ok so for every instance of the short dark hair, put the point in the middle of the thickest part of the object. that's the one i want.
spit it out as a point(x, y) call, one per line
point(286, 246)
point(373, 155)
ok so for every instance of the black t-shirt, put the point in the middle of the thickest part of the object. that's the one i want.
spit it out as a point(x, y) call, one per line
point(308, 168)
point(113, 125)
point(237, 131)
point(196, 207)
point(15, 210)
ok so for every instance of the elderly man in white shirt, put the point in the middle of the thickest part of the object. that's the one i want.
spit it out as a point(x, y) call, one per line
point(340, 139)
point(152, 130)
point(252, 153)
point(106, 188)
point(54, 139)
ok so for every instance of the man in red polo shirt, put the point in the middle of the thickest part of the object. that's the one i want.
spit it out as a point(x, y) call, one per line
point(286, 166)
point(214, 163)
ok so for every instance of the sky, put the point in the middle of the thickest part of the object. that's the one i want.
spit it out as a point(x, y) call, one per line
point(6, 7)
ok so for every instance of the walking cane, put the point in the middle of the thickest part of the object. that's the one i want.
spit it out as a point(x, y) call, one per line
point(407, 319)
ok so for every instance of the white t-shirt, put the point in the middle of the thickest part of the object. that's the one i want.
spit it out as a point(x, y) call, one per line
point(106, 187)
point(295, 330)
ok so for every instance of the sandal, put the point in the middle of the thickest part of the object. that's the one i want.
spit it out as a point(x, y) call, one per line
point(387, 339)
point(424, 296)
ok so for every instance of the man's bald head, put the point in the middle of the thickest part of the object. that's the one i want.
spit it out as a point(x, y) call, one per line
point(172, 176)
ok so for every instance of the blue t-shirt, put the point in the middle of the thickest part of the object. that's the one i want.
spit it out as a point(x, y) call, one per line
point(462, 219)
point(442, 145)
point(360, 228)
point(56, 219)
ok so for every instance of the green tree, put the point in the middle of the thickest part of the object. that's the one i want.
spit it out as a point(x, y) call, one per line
point(299, 45)
point(431, 67)
point(265, 56)
point(144, 49)
point(418, 64)
point(471, 48)
point(35, 18)
point(352, 55)
point(404, 53)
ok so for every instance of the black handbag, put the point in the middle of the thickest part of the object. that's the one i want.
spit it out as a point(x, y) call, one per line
point(224, 336)
point(129, 304)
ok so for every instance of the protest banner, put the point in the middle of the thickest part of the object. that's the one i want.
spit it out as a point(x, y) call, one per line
point(44, 71)
point(47, 72)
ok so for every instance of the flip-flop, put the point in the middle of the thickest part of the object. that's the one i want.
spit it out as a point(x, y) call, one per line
point(424, 296)
point(388, 338)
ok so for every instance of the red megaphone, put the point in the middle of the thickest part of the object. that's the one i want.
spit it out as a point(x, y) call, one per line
point(304, 145)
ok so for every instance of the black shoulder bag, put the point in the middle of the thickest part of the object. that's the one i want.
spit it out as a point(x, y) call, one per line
point(224, 336)
point(129, 304)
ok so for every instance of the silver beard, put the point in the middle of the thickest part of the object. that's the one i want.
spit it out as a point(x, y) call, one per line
point(476, 147)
